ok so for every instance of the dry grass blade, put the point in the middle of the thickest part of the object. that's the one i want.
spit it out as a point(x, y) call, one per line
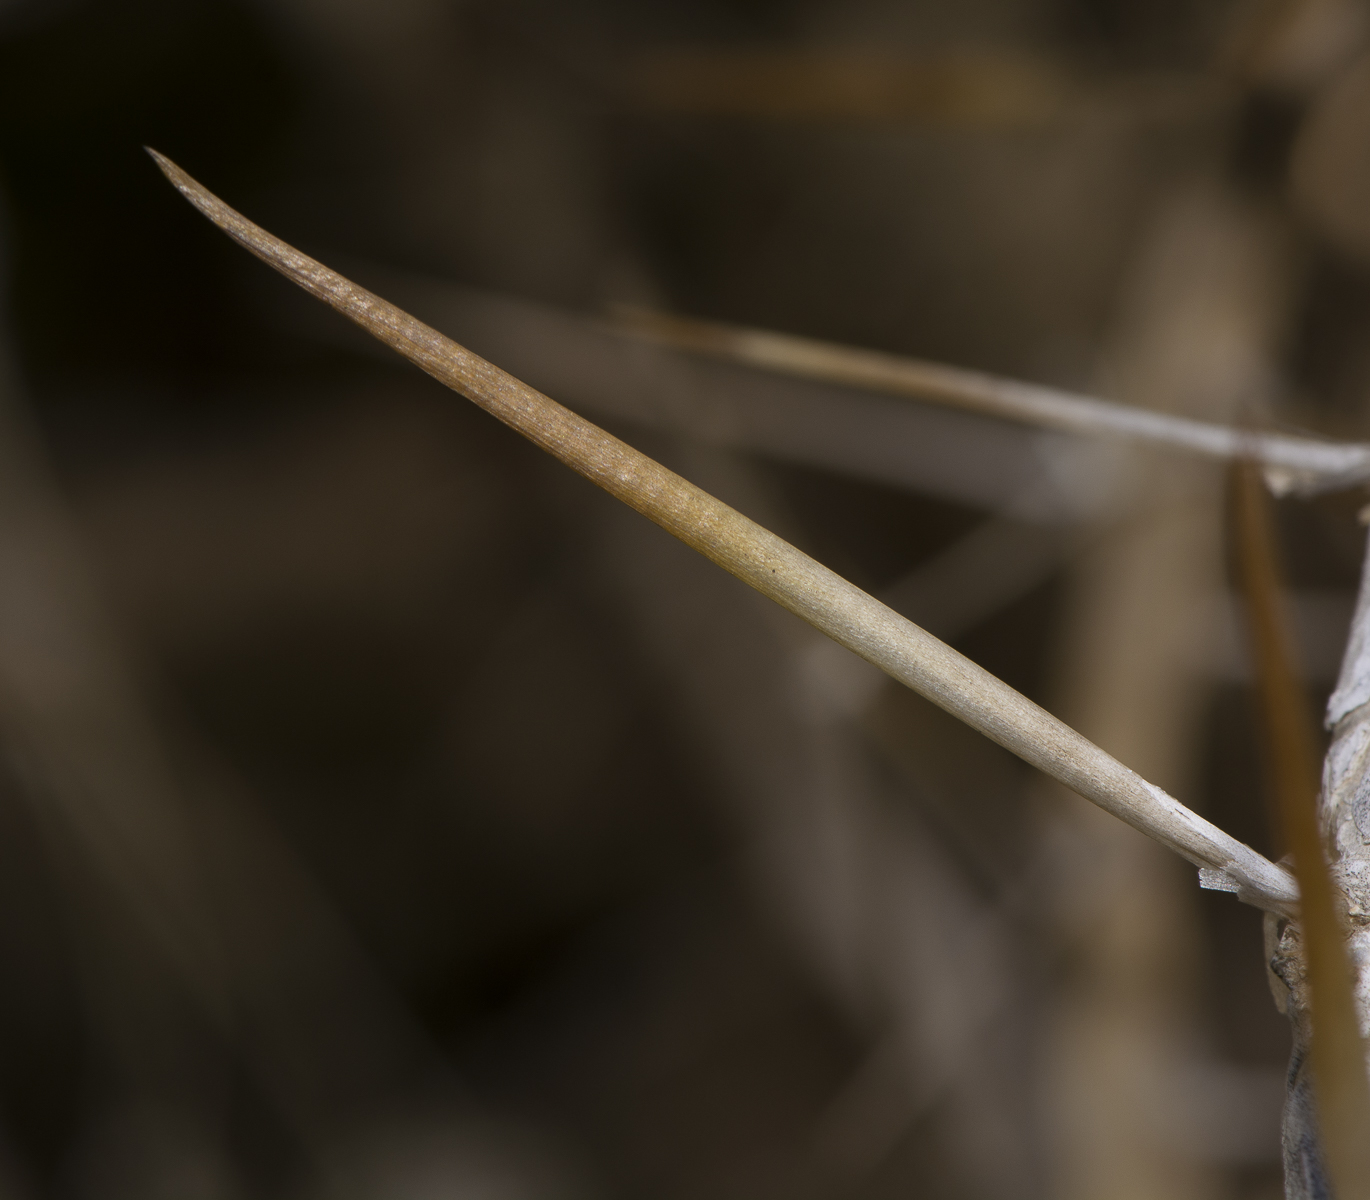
point(1293, 464)
point(1338, 1055)
point(776, 569)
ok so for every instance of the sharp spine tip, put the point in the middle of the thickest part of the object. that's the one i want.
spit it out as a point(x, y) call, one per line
point(177, 177)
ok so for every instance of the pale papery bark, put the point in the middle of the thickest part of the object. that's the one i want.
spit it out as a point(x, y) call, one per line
point(1344, 820)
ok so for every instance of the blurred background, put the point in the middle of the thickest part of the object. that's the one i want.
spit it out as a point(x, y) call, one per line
point(386, 813)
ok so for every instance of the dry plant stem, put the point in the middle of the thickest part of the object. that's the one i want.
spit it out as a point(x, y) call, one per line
point(1341, 1088)
point(1294, 464)
point(776, 569)
point(979, 461)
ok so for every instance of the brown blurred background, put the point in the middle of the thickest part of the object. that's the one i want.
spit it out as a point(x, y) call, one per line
point(384, 813)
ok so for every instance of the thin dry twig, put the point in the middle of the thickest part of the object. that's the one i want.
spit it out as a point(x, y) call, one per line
point(982, 462)
point(1341, 1089)
point(776, 569)
point(1292, 464)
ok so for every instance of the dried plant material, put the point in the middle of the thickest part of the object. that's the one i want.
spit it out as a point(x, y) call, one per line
point(1036, 476)
point(963, 89)
point(865, 881)
point(776, 569)
point(1341, 1088)
point(1292, 464)
point(1192, 326)
point(1331, 162)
